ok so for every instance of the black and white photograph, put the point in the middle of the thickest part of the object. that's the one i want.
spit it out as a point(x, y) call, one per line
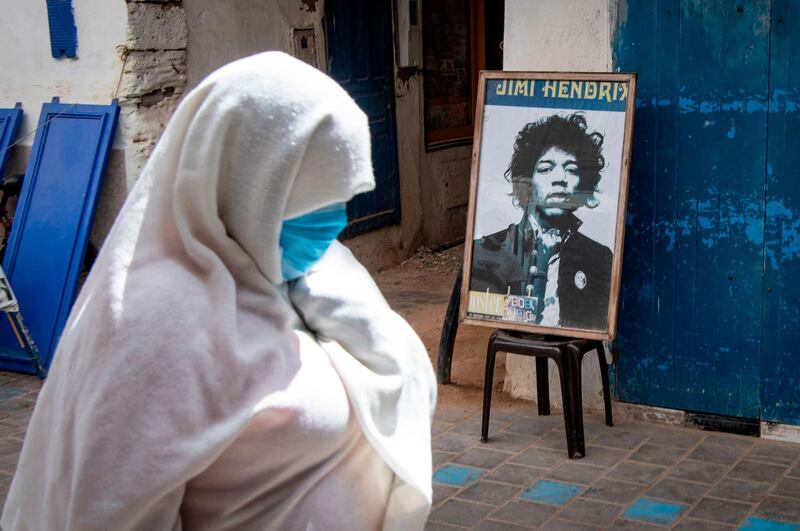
point(546, 202)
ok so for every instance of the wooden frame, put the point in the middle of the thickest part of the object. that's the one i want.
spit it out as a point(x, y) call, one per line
point(535, 100)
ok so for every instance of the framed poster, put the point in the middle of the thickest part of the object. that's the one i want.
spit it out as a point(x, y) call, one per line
point(550, 162)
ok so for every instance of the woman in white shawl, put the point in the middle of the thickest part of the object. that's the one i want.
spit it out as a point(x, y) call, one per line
point(195, 388)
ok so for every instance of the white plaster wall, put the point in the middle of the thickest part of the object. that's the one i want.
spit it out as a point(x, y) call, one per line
point(560, 36)
point(32, 76)
point(221, 32)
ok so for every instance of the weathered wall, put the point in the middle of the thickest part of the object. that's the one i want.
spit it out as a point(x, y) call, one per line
point(221, 32)
point(32, 76)
point(154, 78)
point(556, 35)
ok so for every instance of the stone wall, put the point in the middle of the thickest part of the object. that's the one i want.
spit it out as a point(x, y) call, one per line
point(154, 76)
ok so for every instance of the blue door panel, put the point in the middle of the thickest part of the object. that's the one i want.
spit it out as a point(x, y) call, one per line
point(10, 120)
point(53, 220)
point(360, 59)
point(780, 361)
point(690, 308)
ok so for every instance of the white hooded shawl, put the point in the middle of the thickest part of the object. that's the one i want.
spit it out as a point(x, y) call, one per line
point(170, 346)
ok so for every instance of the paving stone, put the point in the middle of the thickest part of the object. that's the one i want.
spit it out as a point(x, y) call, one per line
point(565, 525)
point(461, 513)
point(724, 511)
point(10, 429)
point(658, 455)
point(605, 457)
point(786, 509)
point(507, 441)
point(454, 442)
point(8, 463)
point(716, 453)
point(788, 487)
point(571, 472)
point(438, 428)
point(551, 492)
point(495, 525)
point(440, 458)
point(20, 420)
point(457, 475)
point(756, 471)
point(623, 524)
point(489, 493)
point(700, 471)
point(735, 441)
point(506, 414)
point(754, 523)
point(735, 489)
point(516, 474)
point(436, 526)
point(10, 445)
point(450, 414)
point(591, 512)
point(482, 458)
point(594, 428)
point(694, 524)
point(555, 440)
point(532, 426)
point(541, 457)
point(621, 439)
point(442, 492)
point(676, 438)
point(774, 453)
point(522, 512)
point(636, 472)
point(474, 427)
point(677, 490)
point(654, 511)
point(614, 491)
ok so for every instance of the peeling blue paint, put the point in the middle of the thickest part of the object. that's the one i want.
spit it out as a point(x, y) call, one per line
point(755, 231)
point(732, 131)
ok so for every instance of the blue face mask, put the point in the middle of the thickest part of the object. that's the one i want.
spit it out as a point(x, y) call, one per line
point(305, 239)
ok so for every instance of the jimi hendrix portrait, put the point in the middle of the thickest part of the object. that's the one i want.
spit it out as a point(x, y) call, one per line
point(561, 276)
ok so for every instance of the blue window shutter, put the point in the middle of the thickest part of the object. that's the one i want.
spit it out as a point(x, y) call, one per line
point(63, 34)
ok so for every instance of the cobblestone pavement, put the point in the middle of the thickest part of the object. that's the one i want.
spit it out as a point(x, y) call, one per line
point(635, 476)
point(17, 396)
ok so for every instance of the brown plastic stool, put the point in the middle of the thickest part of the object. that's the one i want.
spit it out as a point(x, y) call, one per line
point(568, 355)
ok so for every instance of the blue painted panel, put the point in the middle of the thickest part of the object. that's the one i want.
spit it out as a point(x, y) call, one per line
point(53, 220)
point(10, 120)
point(63, 34)
point(551, 492)
point(690, 309)
point(457, 475)
point(780, 361)
point(359, 37)
point(654, 511)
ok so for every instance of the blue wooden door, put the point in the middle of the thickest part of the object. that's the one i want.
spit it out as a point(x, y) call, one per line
point(52, 222)
point(359, 37)
point(780, 359)
point(696, 310)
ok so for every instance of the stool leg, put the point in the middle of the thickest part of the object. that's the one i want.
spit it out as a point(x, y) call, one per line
point(566, 399)
point(488, 378)
point(575, 359)
point(601, 356)
point(542, 386)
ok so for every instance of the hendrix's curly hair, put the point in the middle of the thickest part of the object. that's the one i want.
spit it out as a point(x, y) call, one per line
point(568, 133)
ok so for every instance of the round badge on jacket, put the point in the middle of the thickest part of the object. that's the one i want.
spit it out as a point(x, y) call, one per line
point(580, 280)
